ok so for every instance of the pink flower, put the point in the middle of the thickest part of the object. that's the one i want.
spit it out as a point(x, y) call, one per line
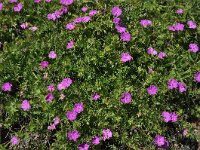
point(182, 87)
point(86, 19)
point(51, 87)
point(25, 105)
point(52, 55)
point(47, 1)
point(37, 1)
point(116, 11)
point(56, 121)
point(51, 16)
point(145, 23)
point(95, 96)
point(151, 51)
point(161, 55)
point(66, 2)
point(44, 64)
point(70, 44)
point(193, 47)
point(126, 37)
point(49, 97)
point(24, 25)
point(1, 6)
point(107, 134)
point(18, 7)
point(179, 11)
point(12, 1)
point(126, 57)
point(34, 28)
point(92, 13)
point(70, 26)
point(51, 127)
point(14, 140)
point(84, 9)
point(192, 25)
point(6, 86)
point(152, 90)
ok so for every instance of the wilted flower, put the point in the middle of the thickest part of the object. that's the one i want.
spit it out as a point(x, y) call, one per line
point(71, 115)
point(70, 26)
point(126, 37)
point(73, 135)
point(56, 121)
point(70, 44)
point(25, 105)
point(14, 140)
point(193, 47)
point(192, 25)
point(126, 57)
point(95, 96)
point(34, 28)
point(13, 1)
point(37, 1)
point(6, 86)
point(51, 127)
point(116, 11)
point(95, 140)
point(62, 96)
point(152, 90)
point(197, 77)
point(107, 134)
point(49, 97)
point(52, 55)
point(179, 11)
point(44, 64)
point(78, 107)
point(145, 23)
point(126, 98)
point(172, 84)
point(83, 146)
point(18, 7)
point(161, 55)
point(24, 25)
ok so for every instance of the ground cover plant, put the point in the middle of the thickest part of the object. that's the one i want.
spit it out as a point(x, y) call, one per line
point(98, 74)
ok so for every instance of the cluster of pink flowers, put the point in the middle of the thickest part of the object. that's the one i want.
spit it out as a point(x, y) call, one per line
point(125, 36)
point(65, 83)
point(169, 116)
point(53, 125)
point(153, 52)
point(78, 108)
point(176, 27)
point(57, 14)
point(174, 84)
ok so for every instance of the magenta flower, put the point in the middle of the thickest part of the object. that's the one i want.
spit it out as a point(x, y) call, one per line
point(51, 127)
point(70, 44)
point(151, 51)
point(51, 17)
point(126, 98)
point(83, 146)
point(6, 86)
point(126, 37)
point(47, 1)
point(193, 47)
point(182, 87)
point(14, 140)
point(145, 23)
point(160, 141)
point(84, 9)
point(152, 90)
point(13, 1)
point(197, 77)
point(56, 121)
point(1, 6)
point(24, 25)
point(49, 97)
point(95, 140)
point(120, 29)
point(192, 25)
point(18, 7)
point(171, 28)
point(116, 20)
point(34, 28)
point(174, 117)
point(179, 27)
point(73, 135)
point(126, 57)
point(51, 88)
point(116, 11)
point(52, 55)
point(71, 115)
point(162, 55)
point(107, 134)
point(86, 19)
point(179, 11)
point(172, 84)
point(166, 116)
point(70, 26)
point(44, 64)
point(37, 1)
point(25, 105)
point(78, 107)
point(96, 96)
point(92, 13)
point(66, 82)
point(77, 20)
point(66, 2)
